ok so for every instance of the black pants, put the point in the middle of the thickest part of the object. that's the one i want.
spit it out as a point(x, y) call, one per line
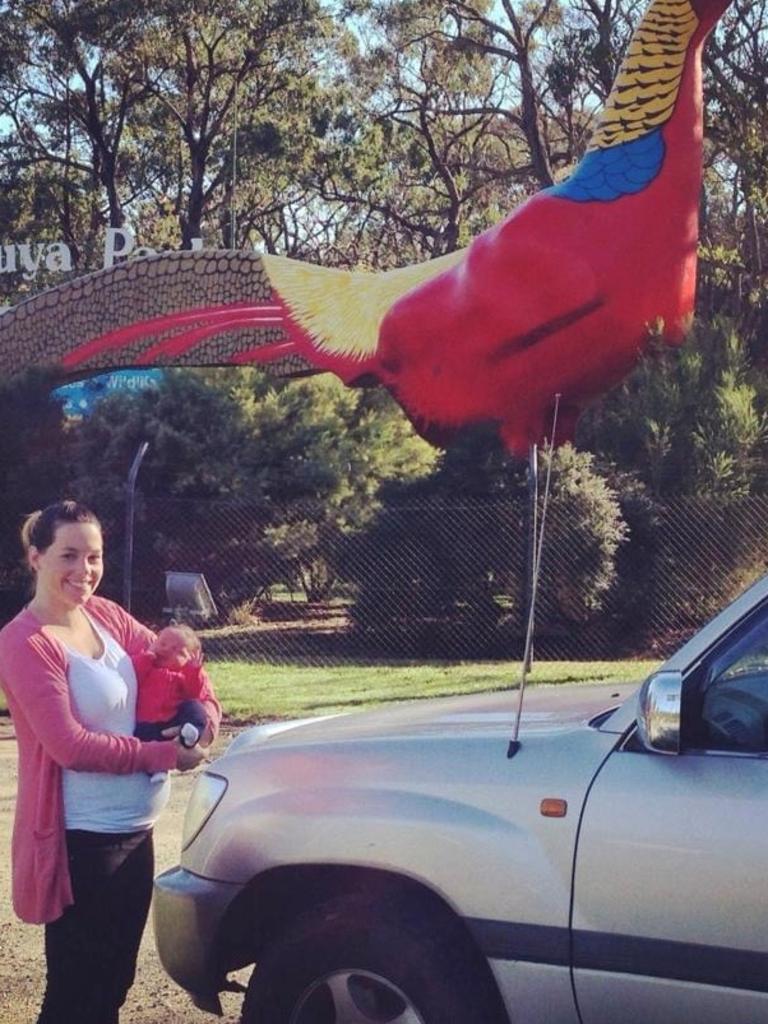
point(91, 949)
point(188, 711)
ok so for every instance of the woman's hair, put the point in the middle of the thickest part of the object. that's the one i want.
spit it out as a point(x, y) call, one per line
point(39, 528)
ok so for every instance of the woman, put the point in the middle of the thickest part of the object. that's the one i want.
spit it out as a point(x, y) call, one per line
point(82, 839)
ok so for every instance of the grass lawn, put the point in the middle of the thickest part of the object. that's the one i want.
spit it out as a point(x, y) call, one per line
point(258, 691)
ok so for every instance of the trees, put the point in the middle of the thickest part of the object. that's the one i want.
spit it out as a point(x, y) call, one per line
point(33, 470)
point(433, 111)
point(689, 421)
point(584, 530)
point(308, 457)
point(195, 433)
point(452, 571)
point(212, 69)
point(736, 206)
point(72, 88)
point(319, 455)
point(122, 113)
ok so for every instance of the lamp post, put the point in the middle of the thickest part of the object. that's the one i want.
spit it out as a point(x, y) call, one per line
point(130, 493)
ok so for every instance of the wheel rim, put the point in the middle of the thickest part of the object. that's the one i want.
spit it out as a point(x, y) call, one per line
point(354, 997)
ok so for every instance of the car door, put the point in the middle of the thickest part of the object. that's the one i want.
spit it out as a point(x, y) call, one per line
point(670, 906)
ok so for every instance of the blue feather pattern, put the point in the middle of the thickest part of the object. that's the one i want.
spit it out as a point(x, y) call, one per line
point(621, 170)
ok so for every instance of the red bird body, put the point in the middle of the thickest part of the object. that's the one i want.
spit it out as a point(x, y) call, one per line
point(560, 298)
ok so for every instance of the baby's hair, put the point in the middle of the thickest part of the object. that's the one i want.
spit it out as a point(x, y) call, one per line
point(39, 528)
point(191, 639)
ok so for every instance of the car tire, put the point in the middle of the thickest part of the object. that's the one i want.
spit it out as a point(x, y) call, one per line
point(352, 962)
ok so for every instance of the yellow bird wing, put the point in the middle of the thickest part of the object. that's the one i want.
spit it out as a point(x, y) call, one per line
point(342, 310)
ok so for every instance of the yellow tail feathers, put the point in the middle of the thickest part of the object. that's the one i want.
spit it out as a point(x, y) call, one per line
point(342, 310)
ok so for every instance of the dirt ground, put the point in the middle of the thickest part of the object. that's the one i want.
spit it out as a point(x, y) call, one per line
point(154, 999)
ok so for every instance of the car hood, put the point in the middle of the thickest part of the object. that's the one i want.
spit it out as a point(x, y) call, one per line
point(546, 709)
point(389, 781)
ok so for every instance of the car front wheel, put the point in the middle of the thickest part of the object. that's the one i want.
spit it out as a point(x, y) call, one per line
point(351, 962)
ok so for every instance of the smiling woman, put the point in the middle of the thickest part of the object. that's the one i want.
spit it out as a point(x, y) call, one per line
point(82, 846)
point(68, 566)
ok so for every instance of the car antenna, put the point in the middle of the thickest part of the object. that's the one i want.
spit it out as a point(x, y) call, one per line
point(538, 544)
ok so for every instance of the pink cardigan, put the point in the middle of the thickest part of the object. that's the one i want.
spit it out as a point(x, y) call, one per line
point(33, 675)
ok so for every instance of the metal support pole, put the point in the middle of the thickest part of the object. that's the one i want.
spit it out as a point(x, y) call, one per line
point(233, 198)
point(514, 743)
point(530, 539)
point(130, 493)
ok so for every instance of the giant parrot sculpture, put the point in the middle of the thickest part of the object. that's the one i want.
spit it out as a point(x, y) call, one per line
point(560, 298)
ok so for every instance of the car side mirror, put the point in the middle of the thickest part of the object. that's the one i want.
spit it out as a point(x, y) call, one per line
point(658, 715)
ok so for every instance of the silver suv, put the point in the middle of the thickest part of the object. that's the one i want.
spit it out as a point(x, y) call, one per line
point(397, 866)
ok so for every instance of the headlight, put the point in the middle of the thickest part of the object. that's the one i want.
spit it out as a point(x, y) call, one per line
point(208, 791)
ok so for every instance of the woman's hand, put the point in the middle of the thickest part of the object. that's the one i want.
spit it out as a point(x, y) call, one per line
point(206, 736)
point(188, 757)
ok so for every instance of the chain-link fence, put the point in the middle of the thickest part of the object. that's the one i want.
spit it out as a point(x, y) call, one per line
point(435, 580)
point(449, 579)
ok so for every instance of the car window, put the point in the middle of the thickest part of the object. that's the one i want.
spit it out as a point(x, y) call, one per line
point(734, 704)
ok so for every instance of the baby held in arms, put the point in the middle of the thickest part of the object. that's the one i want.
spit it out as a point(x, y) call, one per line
point(171, 685)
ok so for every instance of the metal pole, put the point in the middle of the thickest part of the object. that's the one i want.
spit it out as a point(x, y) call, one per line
point(233, 200)
point(514, 743)
point(531, 536)
point(130, 492)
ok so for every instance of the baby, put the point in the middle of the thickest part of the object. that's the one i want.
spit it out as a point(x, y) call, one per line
point(170, 678)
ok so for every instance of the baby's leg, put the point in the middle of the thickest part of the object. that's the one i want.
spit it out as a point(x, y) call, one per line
point(150, 730)
point(192, 711)
point(192, 718)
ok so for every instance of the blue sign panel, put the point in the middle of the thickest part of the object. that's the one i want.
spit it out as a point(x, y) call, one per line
point(81, 396)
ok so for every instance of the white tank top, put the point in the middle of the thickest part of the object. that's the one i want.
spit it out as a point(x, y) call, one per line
point(103, 692)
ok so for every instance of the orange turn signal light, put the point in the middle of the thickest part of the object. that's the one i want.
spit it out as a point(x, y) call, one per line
point(553, 807)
